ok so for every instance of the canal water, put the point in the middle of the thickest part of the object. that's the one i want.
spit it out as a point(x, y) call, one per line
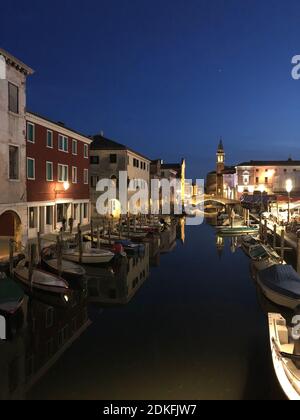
point(187, 323)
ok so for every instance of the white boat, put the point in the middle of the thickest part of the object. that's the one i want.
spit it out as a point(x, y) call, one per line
point(44, 286)
point(286, 363)
point(263, 256)
point(281, 285)
point(90, 256)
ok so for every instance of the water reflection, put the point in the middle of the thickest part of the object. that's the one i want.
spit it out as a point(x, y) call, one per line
point(41, 332)
point(118, 284)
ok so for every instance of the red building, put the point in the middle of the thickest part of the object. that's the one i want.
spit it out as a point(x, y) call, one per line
point(57, 175)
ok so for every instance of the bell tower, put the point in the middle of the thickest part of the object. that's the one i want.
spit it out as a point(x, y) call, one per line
point(220, 168)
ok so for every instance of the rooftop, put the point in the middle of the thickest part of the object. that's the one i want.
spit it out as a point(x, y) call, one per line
point(19, 65)
point(103, 143)
point(58, 124)
point(288, 162)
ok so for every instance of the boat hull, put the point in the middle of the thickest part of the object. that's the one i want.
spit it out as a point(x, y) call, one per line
point(88, 259)
point(285, 373)
point(278, 298)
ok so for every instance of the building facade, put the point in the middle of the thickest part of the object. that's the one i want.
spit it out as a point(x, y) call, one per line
point(107, 159)
point(57, 161)
point(13, 209)
point(267, 176)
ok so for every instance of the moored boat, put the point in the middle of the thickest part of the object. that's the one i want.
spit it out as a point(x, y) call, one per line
point(89, 256)
point(237, 230)
point(44, 286)
point(11, 296)
point(286, 361)
point(70, 271)
point(263, 256)
point(247, 242)
point(281, 285)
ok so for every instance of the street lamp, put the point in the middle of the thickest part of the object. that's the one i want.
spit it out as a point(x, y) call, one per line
point(262, 190)
point(289, 188)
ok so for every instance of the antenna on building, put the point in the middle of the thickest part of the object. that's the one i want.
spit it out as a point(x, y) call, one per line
point(102, 133)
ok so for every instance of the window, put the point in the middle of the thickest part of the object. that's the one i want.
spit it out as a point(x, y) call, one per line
point(13, 163)
point(86, 176)
point(266, 180)
point(32, 217)
point(49, 215)
point(60, 213)
point(49, 171)
point(86, 151)
point(85, 211)
point(74, 175)
point(113, 158)
point(30, 133)
point(74, 147)
point(49, 139)
point(94, 160)
point(75, 214)
point(257, 180)
point(13, 98)
point(63, 143)
point(94, 181)
point(30, 168)
point(63, 175)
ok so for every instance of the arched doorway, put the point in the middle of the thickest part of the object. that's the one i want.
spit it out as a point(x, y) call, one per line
point(10, 228)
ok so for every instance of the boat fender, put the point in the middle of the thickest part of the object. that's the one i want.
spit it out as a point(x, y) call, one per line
point(118, 249)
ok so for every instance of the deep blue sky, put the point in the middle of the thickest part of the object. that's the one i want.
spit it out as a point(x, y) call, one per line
point(167, 77)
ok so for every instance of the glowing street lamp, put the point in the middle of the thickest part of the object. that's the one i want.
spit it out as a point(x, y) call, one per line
point(289, 189)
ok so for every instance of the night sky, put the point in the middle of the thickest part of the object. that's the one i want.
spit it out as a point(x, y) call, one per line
point(166, 77)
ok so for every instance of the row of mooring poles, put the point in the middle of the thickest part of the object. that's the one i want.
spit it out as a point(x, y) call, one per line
point(263, 232)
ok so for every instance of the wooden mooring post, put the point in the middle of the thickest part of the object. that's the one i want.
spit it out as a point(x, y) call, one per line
point(282, 243)
point(274, 236)
point(128, 226)
point(120, 227)
point(298, 253)
point(59, 255)
point(98, 237)
point(109, 233)
point(32, 253)
point(11, 256)
point(80, 244)
point(92, 232)
point(266, 232)
point(39, 241)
